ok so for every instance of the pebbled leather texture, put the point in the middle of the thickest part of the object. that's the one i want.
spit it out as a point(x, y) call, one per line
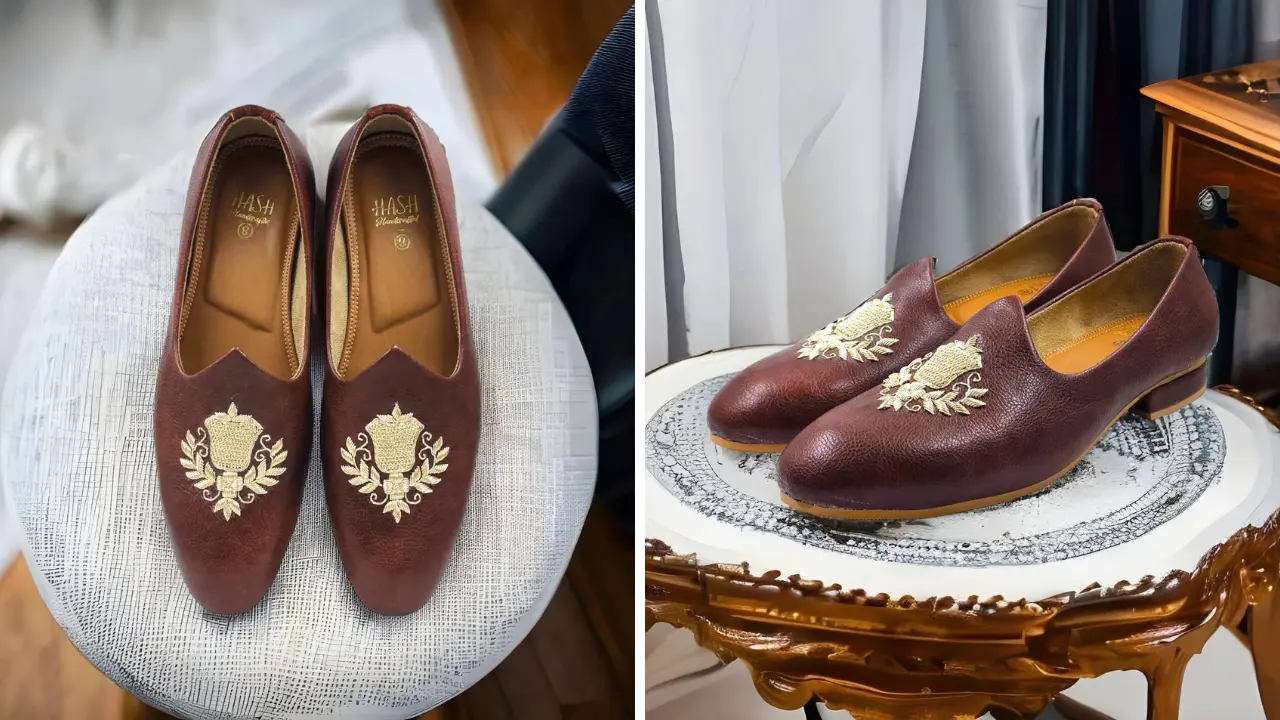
point(229, 565)
point(772, 400)
point(395, 566)
point(1036, 423)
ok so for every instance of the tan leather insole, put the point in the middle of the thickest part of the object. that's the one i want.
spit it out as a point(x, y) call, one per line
point(238, 287)
point(1096, 346)
point(1024, 288)
point(402, 293)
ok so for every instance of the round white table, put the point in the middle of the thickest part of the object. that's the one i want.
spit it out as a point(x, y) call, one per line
point(77, 464)
point(994, 609)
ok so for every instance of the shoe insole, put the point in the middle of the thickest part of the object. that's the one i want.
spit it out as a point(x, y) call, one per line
point(1024, 288)
point(1094, 347)
point(238, 287)
point(403, 297)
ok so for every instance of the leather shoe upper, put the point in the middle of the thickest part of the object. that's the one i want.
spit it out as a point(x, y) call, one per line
point(233, 434)
point(774, 399)
point(1010, 400)
point(399, 436)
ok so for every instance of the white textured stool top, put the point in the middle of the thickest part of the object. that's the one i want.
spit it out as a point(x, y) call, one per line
point(77, 461)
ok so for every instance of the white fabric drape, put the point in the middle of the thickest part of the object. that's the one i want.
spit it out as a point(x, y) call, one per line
point(790, 130)
point(655, 284)
point(805, 149)
point(109, 90)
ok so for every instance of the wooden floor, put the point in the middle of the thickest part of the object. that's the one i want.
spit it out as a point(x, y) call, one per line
point(578, 661)
point(521, 61)
point(42, 675)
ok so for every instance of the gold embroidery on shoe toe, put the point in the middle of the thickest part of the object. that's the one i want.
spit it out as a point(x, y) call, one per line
point(220, 457)
point(932, 383)
point(390, 465)
point(861, 335)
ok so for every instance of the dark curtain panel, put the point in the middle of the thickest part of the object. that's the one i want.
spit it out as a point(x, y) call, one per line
point(1102, 138)
point(1117, 147)
point(1068, 99)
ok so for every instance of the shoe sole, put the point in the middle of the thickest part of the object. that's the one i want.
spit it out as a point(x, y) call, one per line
point(747, 447)
point(848, 514)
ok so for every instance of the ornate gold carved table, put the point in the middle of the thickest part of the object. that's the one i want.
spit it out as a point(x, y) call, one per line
point(1164, 533)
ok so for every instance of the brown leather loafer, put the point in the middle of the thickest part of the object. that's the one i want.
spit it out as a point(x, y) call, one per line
point(233, 393)
point(763, 407)
point(401, 415)
point(1011, 402)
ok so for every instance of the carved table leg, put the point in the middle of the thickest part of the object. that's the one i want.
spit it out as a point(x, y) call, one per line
point(1264, 642)
point(1164, 687)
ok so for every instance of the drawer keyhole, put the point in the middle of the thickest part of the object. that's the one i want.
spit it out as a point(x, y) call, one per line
point(1212, 204)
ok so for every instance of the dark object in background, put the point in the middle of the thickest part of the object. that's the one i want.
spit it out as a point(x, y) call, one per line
point(1068, 92)
point(571, 202)
point(601, 112)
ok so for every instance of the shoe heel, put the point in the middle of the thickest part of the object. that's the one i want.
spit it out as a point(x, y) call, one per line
point(1173, 395)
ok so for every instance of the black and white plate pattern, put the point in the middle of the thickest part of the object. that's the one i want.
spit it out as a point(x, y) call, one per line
point(1142, 474)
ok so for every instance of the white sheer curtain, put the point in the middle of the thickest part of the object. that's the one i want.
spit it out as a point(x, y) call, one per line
point(788, 128)
point(792, 171)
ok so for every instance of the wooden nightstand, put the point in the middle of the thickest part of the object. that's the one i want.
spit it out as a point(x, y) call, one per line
point(1221, 179)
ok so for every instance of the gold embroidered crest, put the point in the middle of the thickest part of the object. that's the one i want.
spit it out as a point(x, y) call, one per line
point(387, 459)
point(933, 383)
point(861, 335)
point(220, 457)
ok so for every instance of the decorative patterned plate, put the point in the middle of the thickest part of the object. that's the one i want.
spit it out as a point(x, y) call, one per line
point(1142, 474)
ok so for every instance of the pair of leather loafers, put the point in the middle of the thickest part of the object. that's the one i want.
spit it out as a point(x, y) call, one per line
point(943, 394)
point(400, 417)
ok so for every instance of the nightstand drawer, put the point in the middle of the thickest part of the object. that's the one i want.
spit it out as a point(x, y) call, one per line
point(1253, 244)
